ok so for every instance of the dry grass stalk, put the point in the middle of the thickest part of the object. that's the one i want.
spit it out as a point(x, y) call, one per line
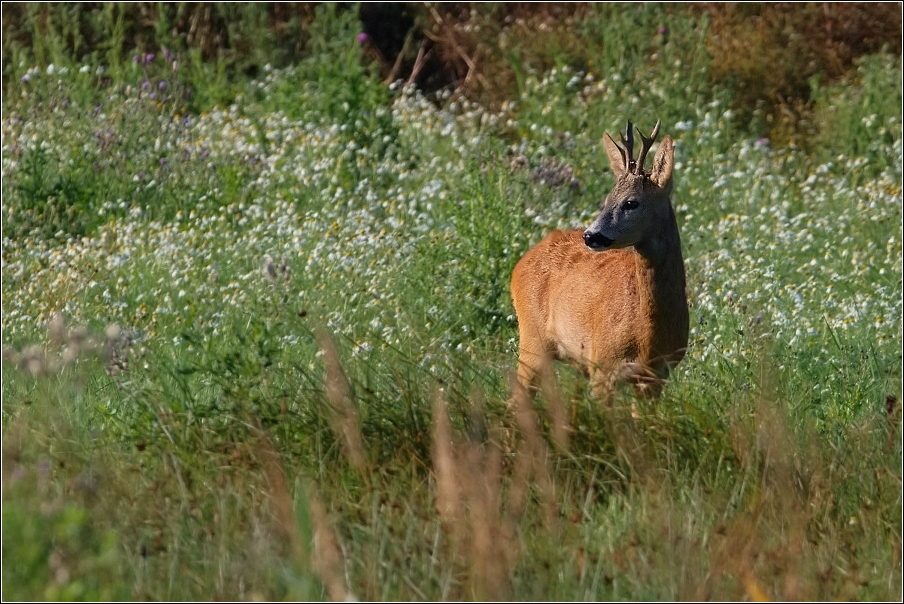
point(764, 547)
point(325, 559)
point(469, 501)
point(631, 446)
point(329, 563)
point(556, 409)
point(281, 500)
point(893, 412)
point(531, 460)
point(343, 415)
point(448, 497)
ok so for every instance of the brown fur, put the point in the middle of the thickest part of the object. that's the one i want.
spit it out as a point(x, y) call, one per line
point(622, 312)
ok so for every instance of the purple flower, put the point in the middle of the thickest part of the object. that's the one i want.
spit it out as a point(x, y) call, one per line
point(148, 58)
point(145, 85)
point(663, 30)
point(363, 38)
point(162, 84)
point(24, 79)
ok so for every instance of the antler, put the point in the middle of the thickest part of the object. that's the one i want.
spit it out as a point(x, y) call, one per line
point(646, 143)
point(627, 154)
point(627, 140)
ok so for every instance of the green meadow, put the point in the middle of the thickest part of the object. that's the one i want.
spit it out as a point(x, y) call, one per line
point(258, 341)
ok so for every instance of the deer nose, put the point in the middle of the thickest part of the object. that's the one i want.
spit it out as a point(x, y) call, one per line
point(596, 240)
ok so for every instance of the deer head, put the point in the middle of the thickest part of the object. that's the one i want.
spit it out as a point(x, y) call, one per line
point(638, 205)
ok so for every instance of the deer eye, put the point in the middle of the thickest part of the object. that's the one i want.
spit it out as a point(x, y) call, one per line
point(631, 204)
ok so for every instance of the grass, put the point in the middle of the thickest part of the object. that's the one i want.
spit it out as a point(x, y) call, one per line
point(261, 347)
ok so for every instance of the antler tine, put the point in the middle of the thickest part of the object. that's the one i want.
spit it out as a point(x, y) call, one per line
point(646, 143)
point(627, 139)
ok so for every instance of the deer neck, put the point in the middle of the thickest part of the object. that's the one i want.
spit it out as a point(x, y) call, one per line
point(661, 290)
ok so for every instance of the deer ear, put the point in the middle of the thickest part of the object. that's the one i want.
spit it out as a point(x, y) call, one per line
point(661, 172)
point(616, 155)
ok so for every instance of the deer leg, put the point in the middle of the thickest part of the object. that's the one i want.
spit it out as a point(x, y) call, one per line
point(530, 369)
point(602, 384)
point(647, 380)
point(533, 358)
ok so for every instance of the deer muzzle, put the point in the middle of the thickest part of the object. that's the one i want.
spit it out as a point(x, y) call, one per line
point(596, 241)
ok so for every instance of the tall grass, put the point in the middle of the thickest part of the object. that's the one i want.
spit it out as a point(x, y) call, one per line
point(261, 348)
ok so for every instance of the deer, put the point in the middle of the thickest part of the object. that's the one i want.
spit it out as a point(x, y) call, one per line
point(610, 298)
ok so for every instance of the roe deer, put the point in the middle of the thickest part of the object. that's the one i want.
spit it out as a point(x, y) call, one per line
point(612, 297)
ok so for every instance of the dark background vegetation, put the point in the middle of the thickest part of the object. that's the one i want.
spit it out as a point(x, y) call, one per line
point(457, 45)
